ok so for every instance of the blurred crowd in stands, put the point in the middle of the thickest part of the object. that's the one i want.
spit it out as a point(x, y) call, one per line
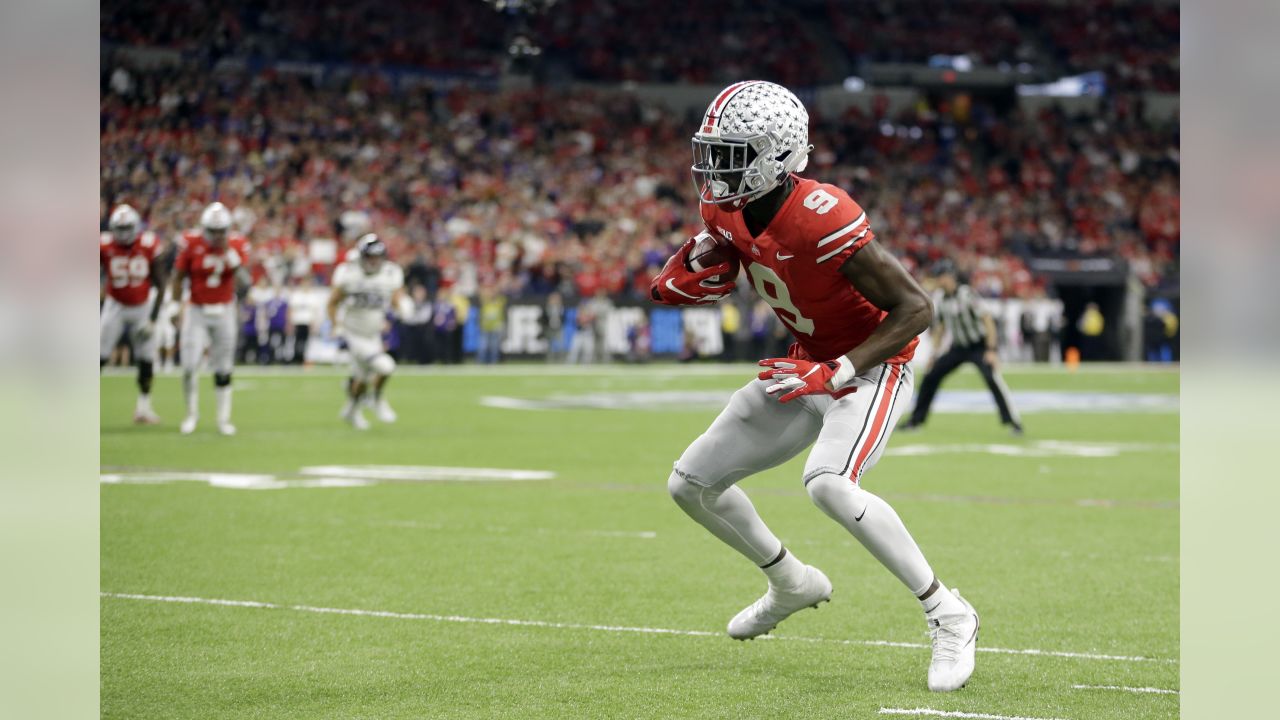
point(576, 192)
point(800, 43)
point(484, 195)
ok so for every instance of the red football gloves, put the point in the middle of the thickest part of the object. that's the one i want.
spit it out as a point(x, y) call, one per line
point(677, 285)
point(796, 377)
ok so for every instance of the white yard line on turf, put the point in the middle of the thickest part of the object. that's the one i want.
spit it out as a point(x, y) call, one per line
point(1122, 688)
point(603, 628)
point(955, 714)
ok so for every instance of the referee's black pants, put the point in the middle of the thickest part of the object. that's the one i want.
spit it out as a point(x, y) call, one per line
point(947, 364)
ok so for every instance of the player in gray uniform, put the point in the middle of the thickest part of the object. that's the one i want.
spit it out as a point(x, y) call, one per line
point(363, 291)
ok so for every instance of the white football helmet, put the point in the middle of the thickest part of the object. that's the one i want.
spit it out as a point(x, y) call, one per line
point(372, 252)
point(753, 135)
point(124, 224)
point(215, 222)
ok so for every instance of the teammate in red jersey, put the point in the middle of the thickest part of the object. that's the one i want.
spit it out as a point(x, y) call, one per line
point(809, 252)
point(132, 284)
point(210, 259)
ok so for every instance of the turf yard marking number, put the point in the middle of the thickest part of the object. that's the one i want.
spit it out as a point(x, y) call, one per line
point(607, 628)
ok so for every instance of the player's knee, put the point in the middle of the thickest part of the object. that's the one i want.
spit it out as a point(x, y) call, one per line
point(828, 490)
point(383, 364)
point(684, 492)
point(222, 379)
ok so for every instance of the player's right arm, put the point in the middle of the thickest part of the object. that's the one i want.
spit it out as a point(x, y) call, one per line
point(676, 284)
point(104, 275)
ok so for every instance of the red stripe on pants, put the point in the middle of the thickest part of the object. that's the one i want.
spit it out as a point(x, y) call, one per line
point(877, 423)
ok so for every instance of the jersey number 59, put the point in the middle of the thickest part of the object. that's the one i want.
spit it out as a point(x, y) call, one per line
point(130, 270)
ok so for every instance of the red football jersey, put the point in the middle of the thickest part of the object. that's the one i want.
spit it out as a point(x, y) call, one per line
point(794, 265)
point(212, 273)
point(128, 267)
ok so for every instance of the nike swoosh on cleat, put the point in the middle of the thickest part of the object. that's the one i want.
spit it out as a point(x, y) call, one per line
point(785, 257)
point(976, 625)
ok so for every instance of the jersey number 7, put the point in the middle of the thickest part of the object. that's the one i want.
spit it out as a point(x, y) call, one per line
point(216, 266)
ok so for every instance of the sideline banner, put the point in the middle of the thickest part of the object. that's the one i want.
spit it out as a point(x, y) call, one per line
point(625, 328)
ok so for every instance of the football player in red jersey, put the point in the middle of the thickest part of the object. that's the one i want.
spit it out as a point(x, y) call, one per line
point(132, 285)
point(211, 259)
point(809, 252)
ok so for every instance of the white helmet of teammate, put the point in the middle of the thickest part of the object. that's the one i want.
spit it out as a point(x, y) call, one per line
point(124, 224)
point(753, 135)
point(215, 222)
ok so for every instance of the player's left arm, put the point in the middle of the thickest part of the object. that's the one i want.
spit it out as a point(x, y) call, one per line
point(886, 284)
point(881, 279)
point(400, 303)
point(401, 307)
point(238, 259)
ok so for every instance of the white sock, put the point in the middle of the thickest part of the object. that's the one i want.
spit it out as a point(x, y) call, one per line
point(223, 395)
point(940, 601)
point(786, 573)
point(192, 392)
point(875, 525)
point(144, 403)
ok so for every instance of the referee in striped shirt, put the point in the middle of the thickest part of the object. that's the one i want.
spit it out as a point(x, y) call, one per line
point(973, 339)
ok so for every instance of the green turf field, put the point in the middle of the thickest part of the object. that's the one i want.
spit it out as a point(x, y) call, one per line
point(545, 598)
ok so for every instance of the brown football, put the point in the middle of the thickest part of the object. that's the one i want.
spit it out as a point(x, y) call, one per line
point(709, 252)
